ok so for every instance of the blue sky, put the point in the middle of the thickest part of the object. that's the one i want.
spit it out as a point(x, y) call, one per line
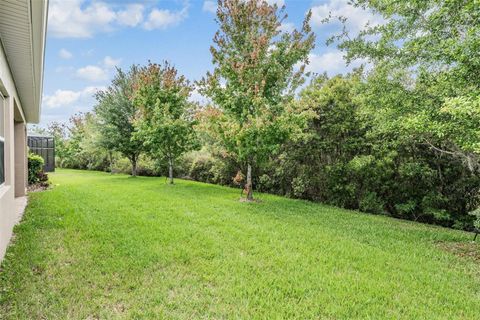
point(87, 39)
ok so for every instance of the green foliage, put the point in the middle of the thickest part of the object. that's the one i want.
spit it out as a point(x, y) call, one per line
point(59, 132)
point(165, 122)
point(254, 79)
point(205, 167)
point(423, 95)
point(201, 169)
point(35, 168)
point(145, 166)
point(425, 49)
point(116, 115)
point(351, 158)
point(83, 149)
point(476, 214)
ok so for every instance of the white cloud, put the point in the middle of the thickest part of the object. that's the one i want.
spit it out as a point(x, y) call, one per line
point(68, 98)
point(357, 18)
point(164, 18)
point(100, 72)
point(65, 54)
point(68, 18)
point(91, 90)
point(279, 3)
point(331, 62)
point(287, 27)
point(61, 98)
point(82, 19)
point(60, 105)
point(196, 96)
point(92, 73)
point(131, 16)
point(110, 62)
point(210, 6)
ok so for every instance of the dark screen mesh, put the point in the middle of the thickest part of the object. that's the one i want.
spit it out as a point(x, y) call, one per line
point(44, 147)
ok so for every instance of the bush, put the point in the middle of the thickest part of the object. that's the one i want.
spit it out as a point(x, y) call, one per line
point(265, 183)
point(35, 169)
point(476, 214)
point(370, 202)
point(145, 167)
point(205, 167)
point(201, 168)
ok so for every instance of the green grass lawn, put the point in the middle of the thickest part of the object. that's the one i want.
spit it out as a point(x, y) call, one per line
point(100, 246)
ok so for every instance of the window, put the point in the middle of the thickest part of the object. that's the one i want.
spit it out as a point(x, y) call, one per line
point(2, 140)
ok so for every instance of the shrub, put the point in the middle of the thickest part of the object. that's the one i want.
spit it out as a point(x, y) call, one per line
point(265, 183)
point(370, 202)
point(145, 167)
point(201, 168)
point(122, 165)
point(476, 214)
point(35, 169)
point(224, 170)
point(299, 186)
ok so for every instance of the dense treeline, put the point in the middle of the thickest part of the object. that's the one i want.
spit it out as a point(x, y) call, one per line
point(400, 138)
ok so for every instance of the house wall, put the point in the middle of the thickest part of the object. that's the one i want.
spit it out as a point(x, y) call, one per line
point(20, 146)
point(7, 190)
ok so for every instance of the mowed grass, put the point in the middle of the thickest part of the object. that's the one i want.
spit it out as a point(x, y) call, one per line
point(100, 246)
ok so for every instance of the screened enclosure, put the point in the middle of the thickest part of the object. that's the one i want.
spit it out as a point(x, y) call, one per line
point(45, 147)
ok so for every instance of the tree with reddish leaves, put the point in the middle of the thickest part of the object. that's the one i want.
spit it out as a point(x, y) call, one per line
point(258, 67)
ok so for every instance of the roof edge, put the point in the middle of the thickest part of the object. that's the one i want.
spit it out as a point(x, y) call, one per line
point(38, 33)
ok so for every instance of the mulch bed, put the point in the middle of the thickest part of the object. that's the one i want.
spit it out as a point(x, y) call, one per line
point(36, 187)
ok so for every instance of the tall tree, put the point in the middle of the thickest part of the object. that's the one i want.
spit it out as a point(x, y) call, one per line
point(116, 114)
point(165, 121)
point(255, 78)
point(430, 48)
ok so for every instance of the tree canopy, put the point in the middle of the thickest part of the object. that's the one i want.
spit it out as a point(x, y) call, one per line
point(165, 121)
point(257, 70)
point(116, 116)
point(430, 49)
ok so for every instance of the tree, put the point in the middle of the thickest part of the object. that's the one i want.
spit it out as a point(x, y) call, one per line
point(429, 47)
point(58, 131)
point(425, 81)
point(255, 79)
point(81, 149)
point(116, 114)
point(165, 122)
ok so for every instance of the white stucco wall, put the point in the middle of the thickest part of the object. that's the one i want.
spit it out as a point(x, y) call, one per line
point(7, 190)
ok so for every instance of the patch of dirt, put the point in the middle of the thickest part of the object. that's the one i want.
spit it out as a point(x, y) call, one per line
point(469, 250)
point(253, 201)
point(119, 308)
point(42, 186)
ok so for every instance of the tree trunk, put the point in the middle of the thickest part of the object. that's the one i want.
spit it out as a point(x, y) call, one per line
point(110, 156)
point(170, 171)
point(134, 167)
point(249, 186)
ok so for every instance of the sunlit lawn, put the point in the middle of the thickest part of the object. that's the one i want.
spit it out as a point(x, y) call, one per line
point(100, 246)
